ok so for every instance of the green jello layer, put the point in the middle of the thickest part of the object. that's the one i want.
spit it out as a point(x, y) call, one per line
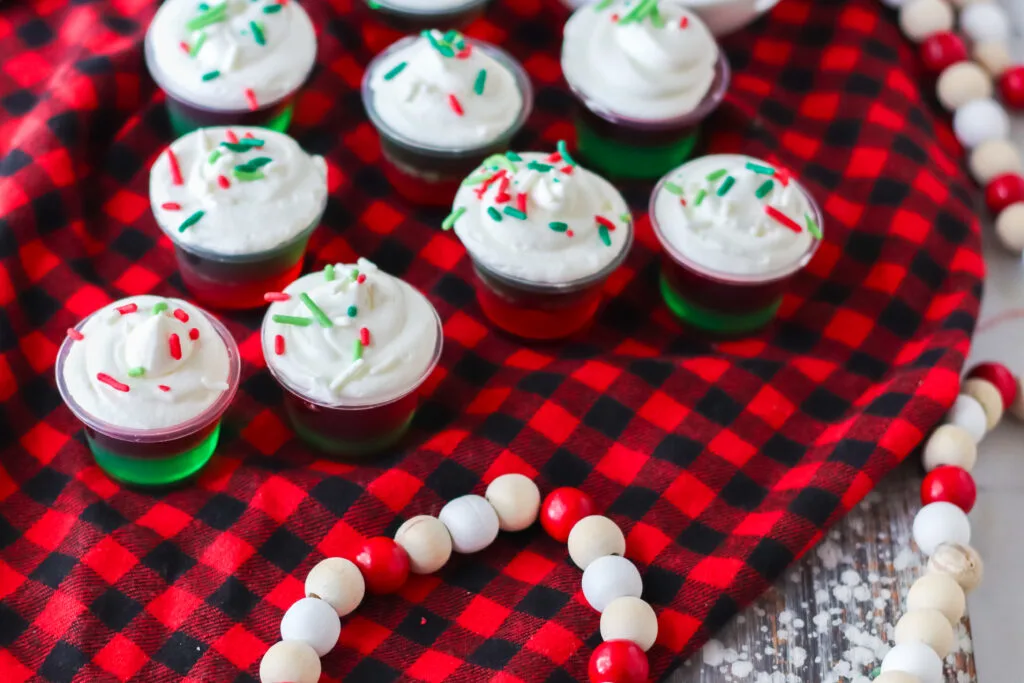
point(155, 471)
point(181, 124)
point(715, 321)
point(624, 160)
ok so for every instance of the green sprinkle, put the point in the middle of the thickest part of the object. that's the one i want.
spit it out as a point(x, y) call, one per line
point(243, 145)
point(726, 185)
point(765, 188)
point(758, 168)
point(357, 350)
point(160, 307)
point(563, 149)
point(455, 215)
point(673, 188)
point(271, 9)
point(476, 178)
point(191, 220)
point(253, 164)
point(136, 372)
point(329, 272)
point(626, 218)
point(398, 68)
point(602, 232)
point(443, 49)
point(210, 75)
point(499, 161)
point(558, 226)
point(701, 194)
point(812, 226)
point(715, 175)
point(214, 155)
point(515, 213)
point(512, 156)
point(604, 4)
point(656, 19)
point(639, 12)
point(248, 176)
point(257, 33)
point(451, 36)
point(493, 213)
point(373, 4)
point(318, 313)
point(352, 311)
point(292, 320)
point(355, 274)
point(198, 46)
point(213, 16)
point(203, 7)
point(537, 166)
point(481, 80)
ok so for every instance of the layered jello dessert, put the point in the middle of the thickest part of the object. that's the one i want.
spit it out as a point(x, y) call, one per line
point(441, 103)
point(149, 378)
point(230, 62)
point(239, 204)
point(544, 234)
point(645, 74)
point(416, 15)
point(735, 231)
point(351, 345)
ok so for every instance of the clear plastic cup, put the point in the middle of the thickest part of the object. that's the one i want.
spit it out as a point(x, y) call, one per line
point(430, 175)
point(721, 303)
point(155, 457)
point(409, 19)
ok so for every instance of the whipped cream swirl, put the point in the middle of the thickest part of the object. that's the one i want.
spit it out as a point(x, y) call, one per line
point(736, 215)
point(236, 190)
point(351, 335)
point(541, 218)
point(640, 59)
point(445, 91)
point(232, 55)
point(146, 362)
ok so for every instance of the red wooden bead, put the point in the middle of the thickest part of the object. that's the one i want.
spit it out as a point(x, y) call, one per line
point(1000, 377)
point(618, 661)
point(562, 509)
point(949, 484)
point(941, 50)
point(1011, 85)
point(1002, 191)
point(384, 564)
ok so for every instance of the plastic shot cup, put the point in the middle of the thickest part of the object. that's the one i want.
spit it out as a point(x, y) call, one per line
point(413, 16)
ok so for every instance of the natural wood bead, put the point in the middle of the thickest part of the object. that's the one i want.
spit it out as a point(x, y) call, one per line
point(988, 396)
point(427, 542)
point(593, 537)
point(964, 3)
point(928, 626)
point(632, 619)
point(994, 55)
point(961, 83)
point(938, 591)
point(961, 562)
point(897, 677)
point(922, 18)
point(516, 499)
point(290, 662)
point(1017, 409)
point(1010, 227)
point(338, 582)
point(950, 445)
point(994, 158)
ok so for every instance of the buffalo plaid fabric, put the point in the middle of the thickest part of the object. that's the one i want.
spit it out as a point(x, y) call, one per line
point(722, 462)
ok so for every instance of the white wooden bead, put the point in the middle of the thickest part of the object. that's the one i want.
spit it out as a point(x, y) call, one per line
point(897, 677)
point(993, 158)
point(968, 414)
point(608, 578)
point(950, 445)
point(962, 82)
point(630, 619)
point(426, 541)
point(593, 537)
point(938, 523)
point(290, 662)
point(979, 121)
point(922, 18)
point(338, 582)
point(313, 622)
point(914, 658)
point(960, 562)
point(1010, 227)
point(516, 499)
point(472, 523)
point(940, 592)
point(994, 55)
point(981, 21)
point(928, 626)
point(985, 393)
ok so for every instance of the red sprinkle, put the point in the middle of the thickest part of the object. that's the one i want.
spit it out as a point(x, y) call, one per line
point(554, 157)
point(503, 195)
point(482, 190)
point(250, 97)
point(456, 106)
point(174, 342)
point(193, 334)
point(569, 233)
point(249, 135)
point(466, 52)
point(279, 345)
point(615, 17)
point(682, 201)
point(223, 182)
point(567, 170)
point(185, 47)
point(276, 296)
point(180, 315)
point(361, 279)
point(783, 176)
point(782, 218)
point(127, 308)
point(75, 334)
point(230, 135)
point(175, 168)
point(171, 206)
point(601, 220)
point(684, 22)
point(521, 201)
point(111, 382)
point(364, 336)
point(163, 387)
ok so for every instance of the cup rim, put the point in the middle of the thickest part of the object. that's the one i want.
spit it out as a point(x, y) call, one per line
point(368, 403)
point(711, 101)
point(722, 276)
point(427, 13)
point(522, 79)
point(212, 413)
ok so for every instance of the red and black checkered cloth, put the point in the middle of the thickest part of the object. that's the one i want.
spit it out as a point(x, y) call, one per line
point(722, 462)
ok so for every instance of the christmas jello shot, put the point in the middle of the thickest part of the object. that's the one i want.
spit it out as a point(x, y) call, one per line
point(544, 234)
point(150, 379)
point(735, 230)
point(441, 103)
point(415, 15)
point(351, 346)
point(239, 204)
point(646, 73)
point(230, 62)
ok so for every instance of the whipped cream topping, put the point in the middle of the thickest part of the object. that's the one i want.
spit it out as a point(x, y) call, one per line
point(147, 362)
point(736, 215)
point(236, 190)
point(233, 54)
point(641, 59)
point(426, 6)
point(540, 217)
point(442, 90)
point(351, 335)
